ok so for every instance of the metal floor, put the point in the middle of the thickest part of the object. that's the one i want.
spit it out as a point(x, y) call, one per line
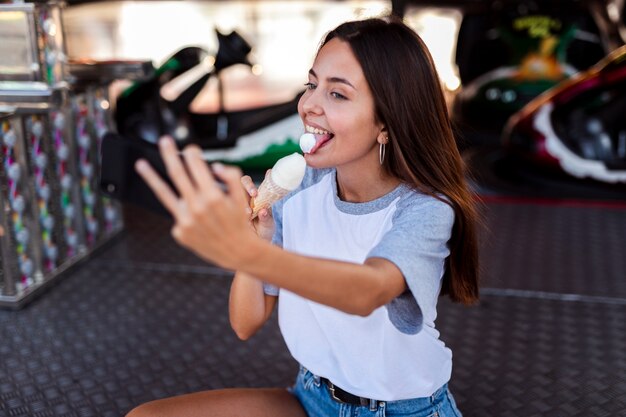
point(144, 319)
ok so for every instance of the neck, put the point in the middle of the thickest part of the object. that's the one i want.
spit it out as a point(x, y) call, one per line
point(360, 187)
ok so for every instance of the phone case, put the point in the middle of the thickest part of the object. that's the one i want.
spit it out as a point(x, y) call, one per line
point(118, 178)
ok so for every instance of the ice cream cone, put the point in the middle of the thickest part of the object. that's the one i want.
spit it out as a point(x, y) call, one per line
point(285, 176)
point(268, 194)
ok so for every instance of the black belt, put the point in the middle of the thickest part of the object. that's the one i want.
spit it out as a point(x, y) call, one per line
point(342, 396)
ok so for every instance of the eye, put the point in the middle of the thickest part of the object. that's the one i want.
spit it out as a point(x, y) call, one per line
point(310, 86)
point(338, 96)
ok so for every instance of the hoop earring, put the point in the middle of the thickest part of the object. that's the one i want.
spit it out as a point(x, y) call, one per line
point(381, 153)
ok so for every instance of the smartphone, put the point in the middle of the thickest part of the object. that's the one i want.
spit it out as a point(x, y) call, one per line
point(120, 180)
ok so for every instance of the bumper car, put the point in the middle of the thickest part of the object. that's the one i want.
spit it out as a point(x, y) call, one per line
point(578, 126)
point(141, 112)
point(253, 137)
point(509, 56)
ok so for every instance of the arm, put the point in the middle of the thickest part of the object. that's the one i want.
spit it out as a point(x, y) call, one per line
point(224, 237)
point(349, 287)
point(248, 306)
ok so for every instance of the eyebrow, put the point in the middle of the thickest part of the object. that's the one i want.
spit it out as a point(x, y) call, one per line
point(334, 79)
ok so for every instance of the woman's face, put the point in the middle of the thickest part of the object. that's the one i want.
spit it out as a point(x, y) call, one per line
point(338, 107)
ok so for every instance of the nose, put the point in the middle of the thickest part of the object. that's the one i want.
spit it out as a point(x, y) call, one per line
point(310, 103)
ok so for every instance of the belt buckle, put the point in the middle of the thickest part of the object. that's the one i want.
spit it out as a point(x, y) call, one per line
point(331, 388)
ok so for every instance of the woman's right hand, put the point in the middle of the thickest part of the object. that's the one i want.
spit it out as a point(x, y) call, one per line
point(263, 224)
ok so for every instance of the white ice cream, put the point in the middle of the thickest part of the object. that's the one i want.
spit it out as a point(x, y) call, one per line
point(288, 171)
point(307, 142)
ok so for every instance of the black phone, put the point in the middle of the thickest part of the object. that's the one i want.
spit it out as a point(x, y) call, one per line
point(118, 178)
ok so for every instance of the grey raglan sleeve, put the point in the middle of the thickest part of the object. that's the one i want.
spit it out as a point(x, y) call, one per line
point(417, 244)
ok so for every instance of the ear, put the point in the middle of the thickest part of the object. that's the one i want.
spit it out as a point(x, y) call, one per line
point(383, 136)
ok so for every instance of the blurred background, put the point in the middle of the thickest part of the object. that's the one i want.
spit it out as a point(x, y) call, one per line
point(101, 310)
point(493, 59)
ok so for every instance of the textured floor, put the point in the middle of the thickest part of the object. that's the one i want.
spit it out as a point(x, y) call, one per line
point(144, 319)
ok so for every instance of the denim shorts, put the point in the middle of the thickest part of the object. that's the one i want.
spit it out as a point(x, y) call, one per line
point(317, 402)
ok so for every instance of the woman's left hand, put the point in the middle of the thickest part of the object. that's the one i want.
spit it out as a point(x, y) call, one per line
point(211, 222)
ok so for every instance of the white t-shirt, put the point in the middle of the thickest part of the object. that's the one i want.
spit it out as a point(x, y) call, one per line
point(395, 352)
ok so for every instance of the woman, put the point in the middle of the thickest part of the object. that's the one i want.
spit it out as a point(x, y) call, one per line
point(382, 224)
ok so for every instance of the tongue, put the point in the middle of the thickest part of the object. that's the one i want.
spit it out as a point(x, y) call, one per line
point(310, 142)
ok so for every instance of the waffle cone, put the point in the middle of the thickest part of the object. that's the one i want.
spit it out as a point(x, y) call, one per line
point(268, 194)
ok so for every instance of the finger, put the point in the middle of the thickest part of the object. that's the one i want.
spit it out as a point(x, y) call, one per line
point(199, 171)
point(250, 188)
point(159, 187)
point(232, 178)
point(264, 225)
point(175, 168)
point(249, 185)
point(265, 217)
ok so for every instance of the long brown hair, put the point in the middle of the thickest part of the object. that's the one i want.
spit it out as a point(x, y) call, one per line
point(422, 150)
